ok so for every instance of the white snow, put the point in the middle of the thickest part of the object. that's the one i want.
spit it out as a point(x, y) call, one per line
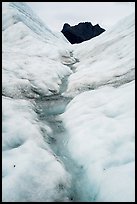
point(32, 63)
point(99, 120)
point(31, 67)
point(105, 59)
point(23, 73)
point(37, 174)
point(101, 130)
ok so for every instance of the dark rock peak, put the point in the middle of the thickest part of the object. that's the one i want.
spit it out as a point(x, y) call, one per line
point(66, 25)
point(81, 32)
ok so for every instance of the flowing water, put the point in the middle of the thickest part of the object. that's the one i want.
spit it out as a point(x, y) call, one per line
point(48, 109)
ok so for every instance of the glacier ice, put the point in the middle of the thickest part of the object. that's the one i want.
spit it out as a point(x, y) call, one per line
point(101, 139)
point(107, 59)
point(68, 112)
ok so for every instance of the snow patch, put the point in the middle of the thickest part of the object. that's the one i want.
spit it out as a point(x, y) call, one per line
point(101, 131)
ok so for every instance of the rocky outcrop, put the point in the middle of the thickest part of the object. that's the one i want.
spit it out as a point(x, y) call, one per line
point(81, 32)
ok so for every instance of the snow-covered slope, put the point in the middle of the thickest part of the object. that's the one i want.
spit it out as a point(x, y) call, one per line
point(101, 122)
point(32, 68)
point(108, 59)
point(87, 152)
point(31, 171)
point(101, 125)
point(16, 12)
point(27, 42)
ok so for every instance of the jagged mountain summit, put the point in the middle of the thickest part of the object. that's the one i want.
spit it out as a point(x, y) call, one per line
point(68, 112)
point(81, 32)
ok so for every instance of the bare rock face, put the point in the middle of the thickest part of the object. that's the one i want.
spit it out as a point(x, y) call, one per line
point(81, 32)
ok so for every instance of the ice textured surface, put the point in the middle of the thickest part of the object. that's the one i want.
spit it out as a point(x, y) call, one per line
point(68, 112)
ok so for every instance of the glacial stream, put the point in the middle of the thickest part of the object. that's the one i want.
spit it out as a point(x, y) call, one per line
point(48, 110)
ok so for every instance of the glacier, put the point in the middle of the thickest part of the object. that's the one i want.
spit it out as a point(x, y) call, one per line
point(68, 112)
